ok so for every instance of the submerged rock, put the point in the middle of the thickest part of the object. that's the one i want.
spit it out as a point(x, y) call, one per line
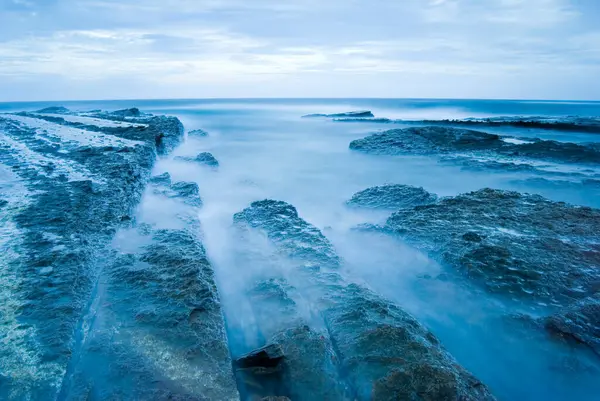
point(205, 158)
point(198, 133)
point(579, 323)
point(382, 352)
point(350, 114)
point(187, 191)
point(392, 196)
point(54, 110)
point(446, 140)
point(521, 245)
point(161, 179)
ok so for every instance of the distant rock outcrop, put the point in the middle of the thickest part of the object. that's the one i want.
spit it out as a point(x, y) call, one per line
point(54, 110)
point(568, 123)
point(350, 114)
point(445, 140)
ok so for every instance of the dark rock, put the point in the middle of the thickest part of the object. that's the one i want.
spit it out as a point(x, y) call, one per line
point(268, 356)
point(132, 112)
point(446, 140)
point(162, 179)
point(517, 244)
point(54, 110)
point(198, 133)
point(383, 352)
point(187, 191)
point(351, 114)
point(579, 323)
point(392, 196)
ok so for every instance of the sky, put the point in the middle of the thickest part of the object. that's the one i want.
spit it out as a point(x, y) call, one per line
point(133, 49)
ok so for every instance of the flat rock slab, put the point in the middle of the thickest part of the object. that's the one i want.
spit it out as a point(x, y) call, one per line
point(520, 245)
point(445, 140)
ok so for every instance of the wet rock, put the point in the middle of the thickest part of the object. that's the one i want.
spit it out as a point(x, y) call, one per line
point(171, 341)
point(161, 179)
point(268, 356)
point(207, 158)
point(446, 140)
point(132, 112)
point(283, 226)
point(187, 191)
point(351, 114)
point(579, 323)
point(392, 196)
point(520, 245)
point(568, 123)
point(307, 370)
point(198, 133)
point(383, 352)
point(54, 110)
point(80, 183)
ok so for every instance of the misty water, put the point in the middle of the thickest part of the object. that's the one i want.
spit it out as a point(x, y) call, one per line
point(266, 151)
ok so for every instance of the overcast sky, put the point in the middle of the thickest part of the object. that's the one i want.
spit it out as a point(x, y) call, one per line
point(109, 49)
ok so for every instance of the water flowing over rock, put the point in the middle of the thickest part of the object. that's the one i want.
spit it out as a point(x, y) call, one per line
point(383, 352)
point(521, 245)
point(392, 196)
point(350, 114)
point(446, 140)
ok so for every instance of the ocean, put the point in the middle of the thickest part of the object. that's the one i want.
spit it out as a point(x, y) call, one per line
point(266, 150)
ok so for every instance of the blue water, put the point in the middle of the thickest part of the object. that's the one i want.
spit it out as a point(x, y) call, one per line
point(266, 150)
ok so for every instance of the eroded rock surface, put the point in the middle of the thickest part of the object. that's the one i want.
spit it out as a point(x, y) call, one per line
point(579, 322)
point(391, 196)
point(446, 140)
point(383, 352)
point(68, 300)
point(517, 244)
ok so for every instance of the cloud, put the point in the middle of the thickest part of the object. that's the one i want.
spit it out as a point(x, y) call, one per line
point(180, 46)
